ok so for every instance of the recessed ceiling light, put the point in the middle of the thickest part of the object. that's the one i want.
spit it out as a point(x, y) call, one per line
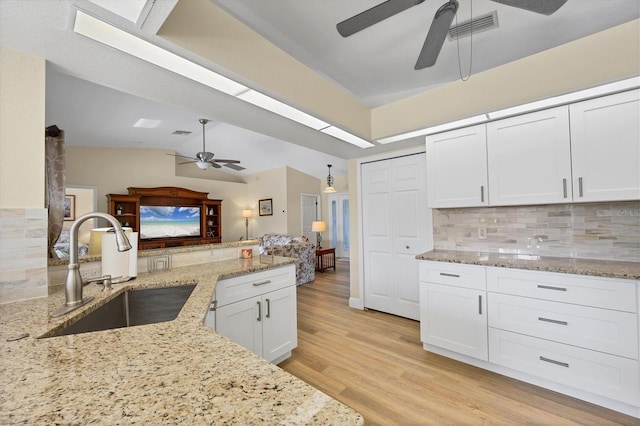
point(147, 123)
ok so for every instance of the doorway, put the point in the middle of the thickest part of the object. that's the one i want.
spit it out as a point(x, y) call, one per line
point(339, 224)
point(309, 211)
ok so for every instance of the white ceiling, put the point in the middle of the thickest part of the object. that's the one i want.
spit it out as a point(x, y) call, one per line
point(96, 93)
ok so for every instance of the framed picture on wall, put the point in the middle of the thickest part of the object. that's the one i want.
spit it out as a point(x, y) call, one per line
point(69, 207)
point(266, 207)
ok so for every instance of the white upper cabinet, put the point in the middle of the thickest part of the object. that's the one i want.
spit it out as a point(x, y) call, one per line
point(605, 148)
point(457, 168)
point(530, 158)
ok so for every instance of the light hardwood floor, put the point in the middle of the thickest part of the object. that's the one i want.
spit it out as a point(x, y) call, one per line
point(374, 363)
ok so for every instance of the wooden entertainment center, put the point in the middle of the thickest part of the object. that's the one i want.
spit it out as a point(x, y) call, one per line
point(126, 208)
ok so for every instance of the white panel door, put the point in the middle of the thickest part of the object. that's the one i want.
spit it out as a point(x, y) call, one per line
point(378, 237)
point(605, 148)
point(279, 323)
point(457, 168)
point(397, 226)
point(530, 158)
point(339, 224)
point(239, 322)
point(309, 211)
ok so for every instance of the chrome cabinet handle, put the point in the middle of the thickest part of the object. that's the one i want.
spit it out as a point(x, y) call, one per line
point(482, 193)
point(564, 187)
point(261, 283)
point(580, 186)
point(268, 308)
point(213, 306)
point(548, 287)
point(259, 311)
point(553, 361)
point(480, 304)
point(553, 321)
point(444, 274)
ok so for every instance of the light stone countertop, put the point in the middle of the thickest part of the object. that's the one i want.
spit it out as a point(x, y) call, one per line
point(177, 372)
point(600, 268)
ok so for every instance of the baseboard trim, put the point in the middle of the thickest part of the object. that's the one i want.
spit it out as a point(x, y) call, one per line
point(356, 303)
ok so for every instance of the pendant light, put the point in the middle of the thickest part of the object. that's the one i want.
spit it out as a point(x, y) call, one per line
point(329, 189)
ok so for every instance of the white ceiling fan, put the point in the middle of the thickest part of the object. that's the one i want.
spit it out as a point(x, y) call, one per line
point(440, 24)
point(205, 159)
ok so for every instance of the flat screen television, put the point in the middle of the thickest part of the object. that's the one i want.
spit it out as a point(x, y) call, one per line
point(169, 221)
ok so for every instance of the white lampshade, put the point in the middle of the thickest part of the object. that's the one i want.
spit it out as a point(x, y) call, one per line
point(318, 226)
point(329, 190)
point(247, 213)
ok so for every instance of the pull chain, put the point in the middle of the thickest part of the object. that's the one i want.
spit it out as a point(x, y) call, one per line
point(470, 47)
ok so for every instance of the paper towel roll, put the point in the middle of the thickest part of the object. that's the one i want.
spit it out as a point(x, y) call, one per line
point(114, 262)
point(133, 254)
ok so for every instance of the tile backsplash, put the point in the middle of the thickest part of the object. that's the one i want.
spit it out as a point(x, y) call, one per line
point(23, 254)
point(608, 231)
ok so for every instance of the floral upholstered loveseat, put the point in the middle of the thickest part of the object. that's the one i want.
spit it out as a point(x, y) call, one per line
point(297, 247)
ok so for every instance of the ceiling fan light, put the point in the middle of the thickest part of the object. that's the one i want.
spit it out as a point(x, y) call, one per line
point(202, 165)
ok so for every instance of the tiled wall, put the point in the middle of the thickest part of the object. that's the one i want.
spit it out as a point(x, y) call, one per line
point(609, 231)
point(23, 254)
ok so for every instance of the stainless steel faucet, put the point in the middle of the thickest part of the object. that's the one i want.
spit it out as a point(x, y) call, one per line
point(74, 284)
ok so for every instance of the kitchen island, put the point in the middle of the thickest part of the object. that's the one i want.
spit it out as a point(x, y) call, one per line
point(177, 372)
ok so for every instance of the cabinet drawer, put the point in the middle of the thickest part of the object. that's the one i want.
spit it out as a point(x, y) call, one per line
point(603, 330)
point(230, 290)
point(602, 374)
point(455, 274)
point(598, 292)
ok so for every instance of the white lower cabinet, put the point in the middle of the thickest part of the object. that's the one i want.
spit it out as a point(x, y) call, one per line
point(574, 334)
point(453, 309)
point(258, 311)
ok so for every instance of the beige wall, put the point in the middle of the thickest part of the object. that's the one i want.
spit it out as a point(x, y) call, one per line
point(600, 58)
point(298, 183)
point(113, 170)
point(269, 184)
point(22, 89)
point(202, 27)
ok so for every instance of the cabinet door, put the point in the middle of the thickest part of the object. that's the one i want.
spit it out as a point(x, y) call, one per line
point(241, 322)
point(605, 148)
point(457, 168)
point(454, 318)
point(530, 158)
point(279, 323)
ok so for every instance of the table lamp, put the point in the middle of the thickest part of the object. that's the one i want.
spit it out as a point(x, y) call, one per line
point(247, 214)
point(319, 227)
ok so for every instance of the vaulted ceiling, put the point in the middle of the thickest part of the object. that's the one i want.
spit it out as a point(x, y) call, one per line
point(290, 50)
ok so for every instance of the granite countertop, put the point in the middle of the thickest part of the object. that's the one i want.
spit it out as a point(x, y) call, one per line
point(177, 372)
point(600, 268)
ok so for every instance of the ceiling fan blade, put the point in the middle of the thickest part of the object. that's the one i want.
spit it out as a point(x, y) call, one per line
point(544, 7)
point(437, 33)
point(187, 162)
point(374, 15)
point(216, 165)
point(181, 156)
point(234, 166)
point(226, 161)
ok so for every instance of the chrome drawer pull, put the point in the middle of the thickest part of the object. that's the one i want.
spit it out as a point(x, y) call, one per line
point(580, 193)
point(261, 283)
point(444, 274)
point(259, 311)
point(213, 305)
point(553, 361)
point(553, 321)
point(564, 187)
point(548, 287)
point(268, 308)
point(480, 304)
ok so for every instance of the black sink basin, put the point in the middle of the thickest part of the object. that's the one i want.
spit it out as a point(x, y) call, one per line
point(131, 308)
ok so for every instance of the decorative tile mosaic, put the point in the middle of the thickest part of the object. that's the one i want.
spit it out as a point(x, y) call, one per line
point(23, 254)
point(607, 231)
